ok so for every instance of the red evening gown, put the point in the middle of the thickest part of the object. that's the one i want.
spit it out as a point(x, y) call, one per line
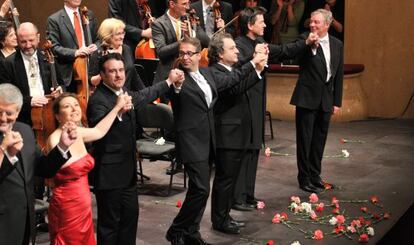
point(70, 209)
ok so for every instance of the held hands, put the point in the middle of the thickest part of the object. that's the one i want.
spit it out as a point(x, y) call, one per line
point(68, 136)
point(124, 103)
point(261, 56)
point(313, 39)
point(147, 33)
point(176, 77)
point(336, 110)
point(12, 143)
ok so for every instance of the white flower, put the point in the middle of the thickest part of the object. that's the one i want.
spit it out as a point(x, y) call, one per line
point(293, 206)
point(306, 206)
point(160, 141)
point(370, 231)
point(345, 153)
point(295, 243)
point(333, 221)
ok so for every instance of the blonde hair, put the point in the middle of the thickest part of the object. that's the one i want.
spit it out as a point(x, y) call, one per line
point(108, 28)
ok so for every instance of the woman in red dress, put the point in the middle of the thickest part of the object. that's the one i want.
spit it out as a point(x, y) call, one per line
point(70, 209)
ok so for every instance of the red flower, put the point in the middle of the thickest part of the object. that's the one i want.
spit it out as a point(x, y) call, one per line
point(362, 220)
point(339, 229)
point(377, 217)
point(363, 238)
point(356, 223)
point(374, 199)
point(387, 215)
point(179, 204)
point(340, 219)
point(335, 211)
point(313, 215)
point(327, 186)
point(313, 198)
point(317, 235)
point(268, 152)
point(319, 207)
point(270, 242)
point(343, 141)
point(368, 222)
point(364, 209)
point(335, 202)
point(276, 219)
point(283, 216)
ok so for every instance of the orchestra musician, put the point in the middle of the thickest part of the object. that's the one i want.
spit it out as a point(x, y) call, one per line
point(68, 34)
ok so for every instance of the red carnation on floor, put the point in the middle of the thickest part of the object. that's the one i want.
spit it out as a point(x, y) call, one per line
point(363, 238)
point(270, 242)
point(179, 204)
point(317, 235)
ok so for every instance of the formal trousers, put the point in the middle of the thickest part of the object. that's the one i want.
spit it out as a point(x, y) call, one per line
point(117, 216)
point(311, 133)
point(228, 163)
point(187, 221)
point(246, 181)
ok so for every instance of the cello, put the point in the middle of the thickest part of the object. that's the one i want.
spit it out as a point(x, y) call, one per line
point(43, 119)
point(80, 69)
point(146, 48)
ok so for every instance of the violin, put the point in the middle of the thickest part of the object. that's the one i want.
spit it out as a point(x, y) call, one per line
point(146, 48)
point(43, 118)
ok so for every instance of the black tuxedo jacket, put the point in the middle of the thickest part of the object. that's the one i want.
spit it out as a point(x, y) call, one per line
point(166, 45)
point(12, 71)
point(115, 158)
point(312, 91)
point(226, 11)
point(62, 34)
point(233, 115)
point(127, 11)
point(194, 120)
point(16, 185)
point(257, 93)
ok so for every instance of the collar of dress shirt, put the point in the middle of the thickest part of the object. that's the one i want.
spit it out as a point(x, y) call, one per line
point(116, 92)
point(70, 11)
point(225, 66)
point(205, 5)
point(324, 39)
point(27, 57)
point(171, 17)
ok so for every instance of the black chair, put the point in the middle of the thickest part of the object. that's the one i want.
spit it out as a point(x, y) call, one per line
point(146, 70)
point(270, 123)
point(160, 117)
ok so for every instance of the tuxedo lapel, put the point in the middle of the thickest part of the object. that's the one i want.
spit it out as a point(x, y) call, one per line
point(210, 81)
point(66, 21)
point(20, 72)
point(194, 86)
point(334, 54)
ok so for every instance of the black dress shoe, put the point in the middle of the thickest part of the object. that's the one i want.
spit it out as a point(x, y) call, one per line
point(243, 207)
point(228, 229)
point(237, 223)
point(309, 188)
point(253, 201)
point(178, 240)
point(195, 241)
point(322, 184)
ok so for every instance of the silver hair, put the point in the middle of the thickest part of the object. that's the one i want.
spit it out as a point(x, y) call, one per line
point(11, 94)
point(327, 15)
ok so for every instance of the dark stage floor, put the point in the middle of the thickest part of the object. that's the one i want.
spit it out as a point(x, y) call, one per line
point(383, 165)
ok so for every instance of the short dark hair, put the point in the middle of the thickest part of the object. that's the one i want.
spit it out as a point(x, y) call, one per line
point(110, 56)
point(249, 16)
point(193, 41)
point(5, 28)
point(56, 102)
point(216, 47)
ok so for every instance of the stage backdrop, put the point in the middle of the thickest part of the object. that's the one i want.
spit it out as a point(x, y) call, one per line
point(378, 35)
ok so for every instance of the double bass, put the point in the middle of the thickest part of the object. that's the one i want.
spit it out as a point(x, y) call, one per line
point(80, 70)
point(43, 118)
point(146, 48)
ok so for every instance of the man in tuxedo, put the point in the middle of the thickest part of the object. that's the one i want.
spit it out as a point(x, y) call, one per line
point(317, 95)
point(114, 175)
point(167, 30)
point(208, 21)
point(252, 25)
point(27, 69)
point(20, 160)
point(69, 37)
point(195, 143)
point(134, 18)
point(233, 130)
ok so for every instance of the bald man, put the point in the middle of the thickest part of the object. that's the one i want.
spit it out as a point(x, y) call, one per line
point(28, 70)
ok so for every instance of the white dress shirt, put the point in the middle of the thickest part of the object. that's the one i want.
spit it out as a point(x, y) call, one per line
point(324, 43)
point(31, 66)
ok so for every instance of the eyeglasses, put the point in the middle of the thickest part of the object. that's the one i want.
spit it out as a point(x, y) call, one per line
point(188, 53)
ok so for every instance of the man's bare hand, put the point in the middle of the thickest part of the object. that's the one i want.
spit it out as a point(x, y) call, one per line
point(56, 92)
point(38, 101)
point(12, 143)
point(313, 39)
